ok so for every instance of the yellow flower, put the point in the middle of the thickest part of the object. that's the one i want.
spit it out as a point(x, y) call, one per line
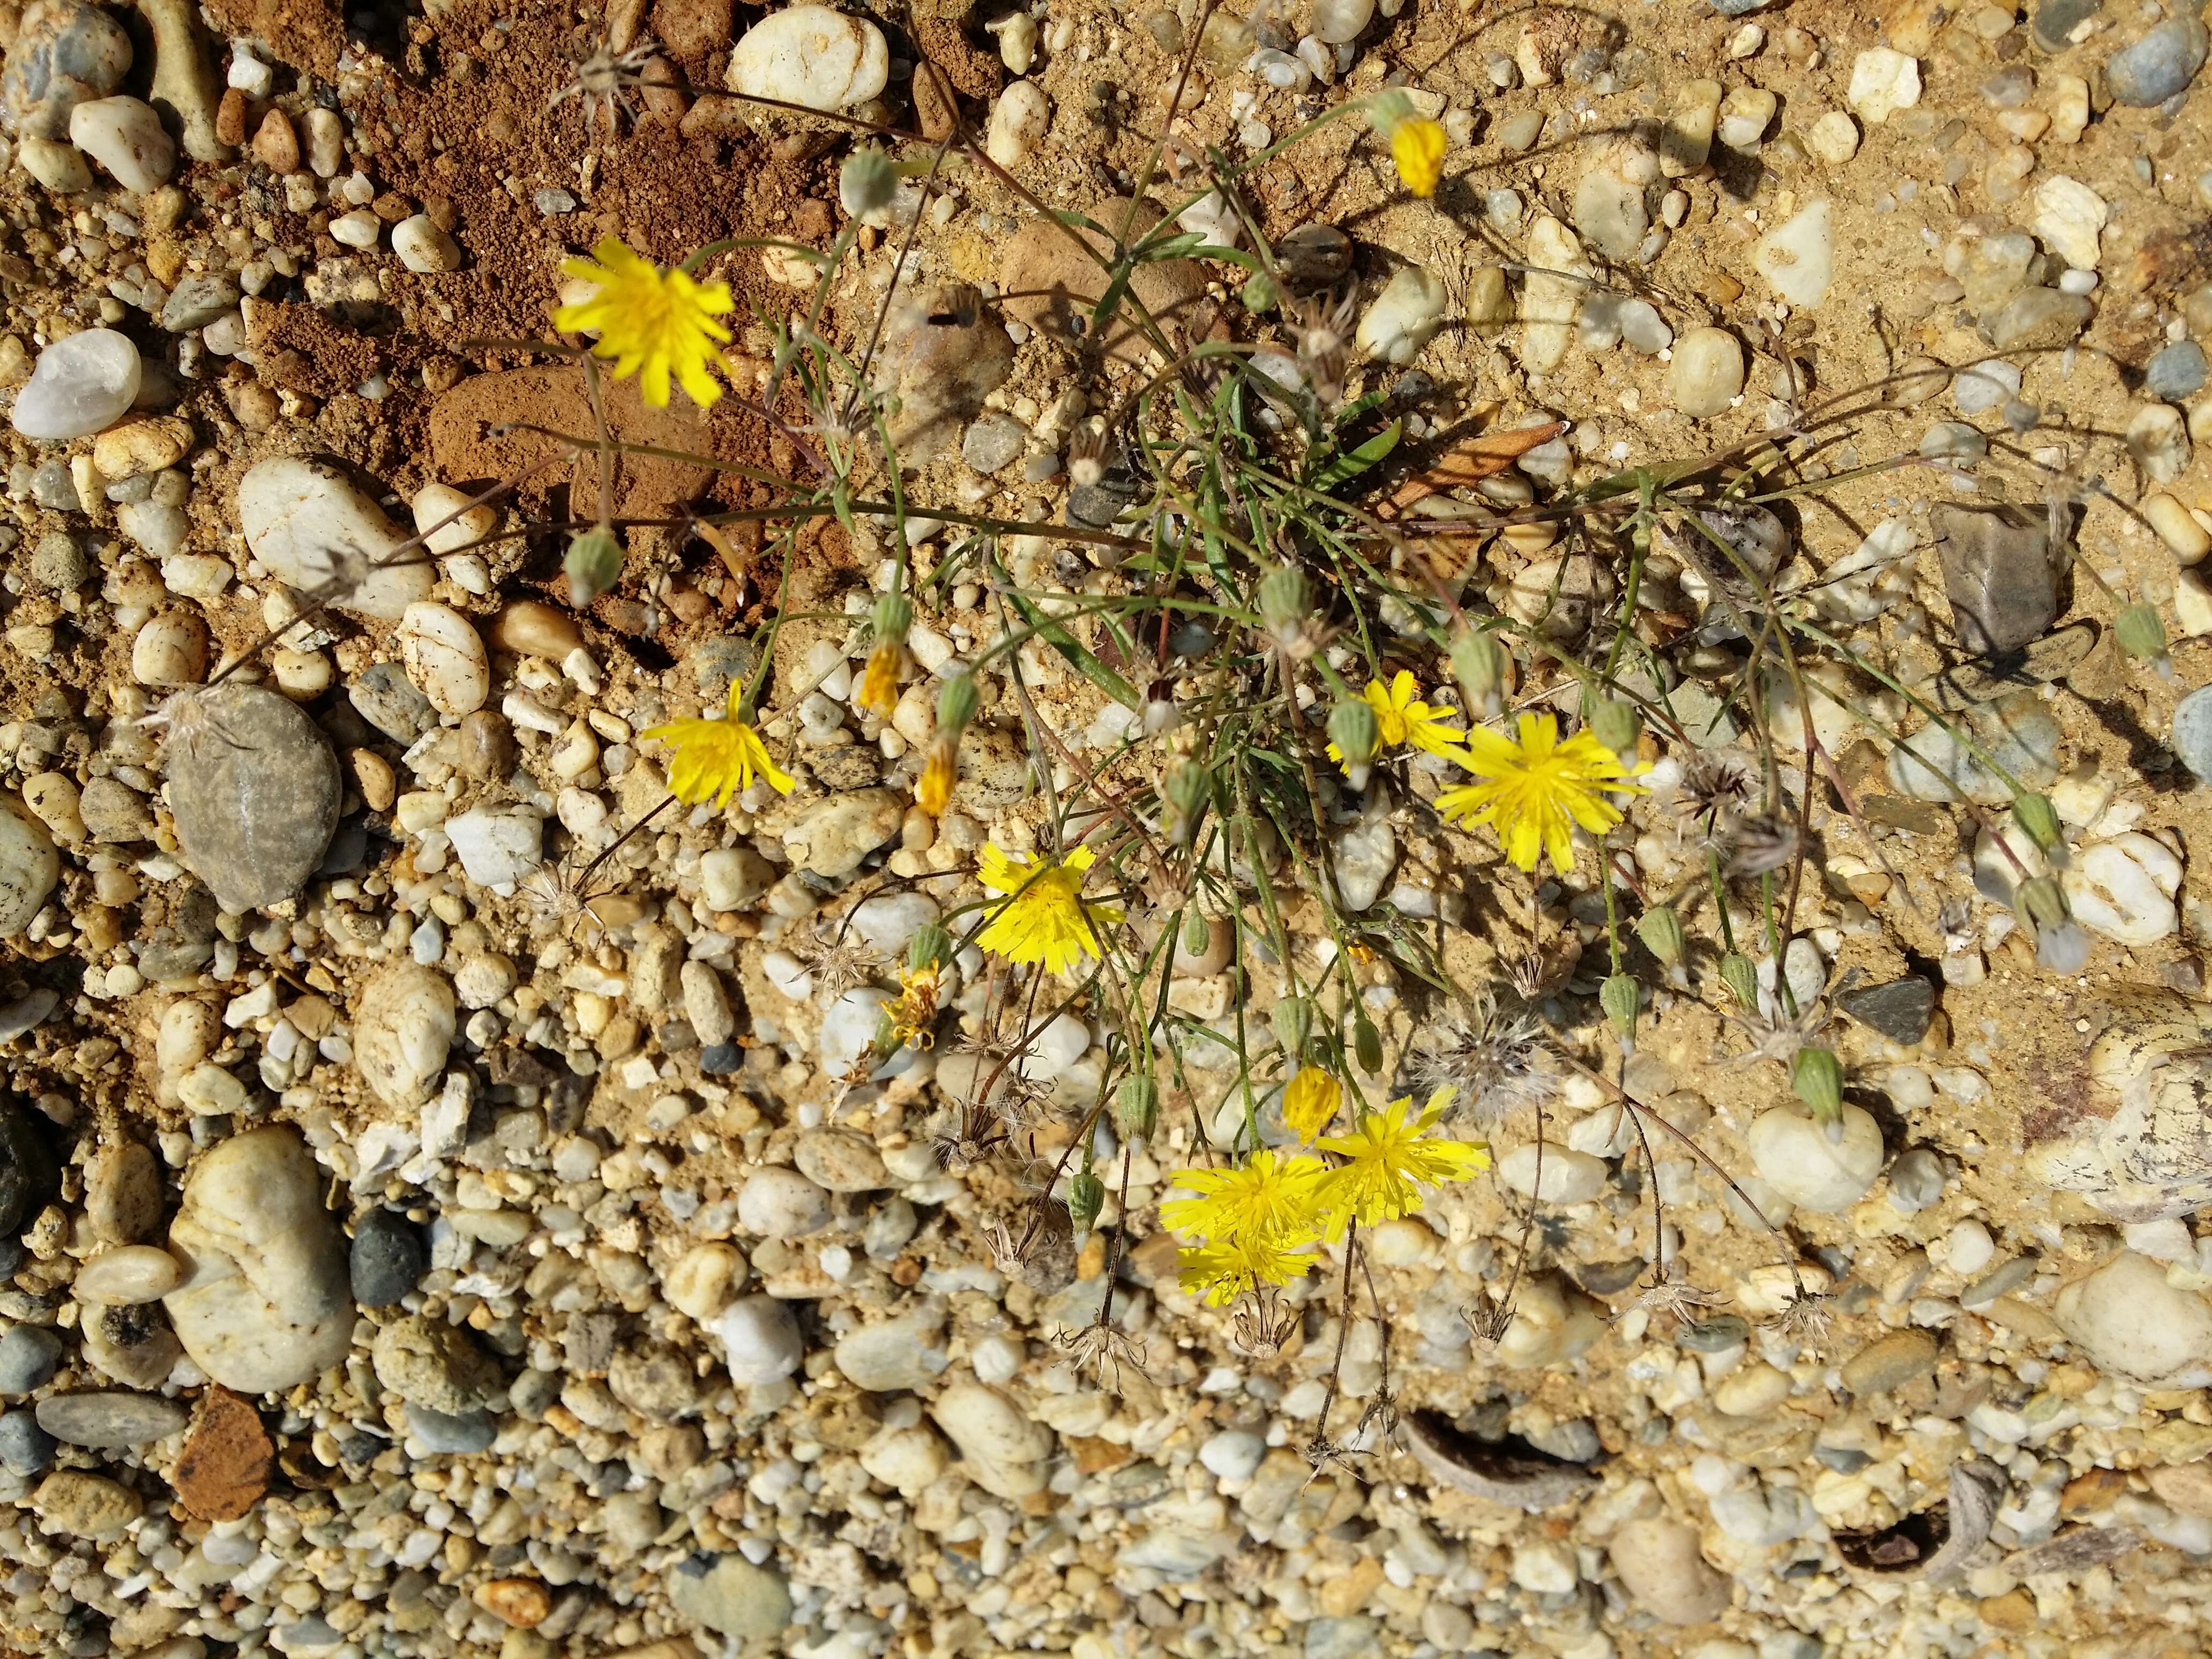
point(1537, 789)
point(879, 688)
point(1267, 1194)
point(1401, 720)
point(660, 322)
point(914, 1011)
point(1217, 1273)
point(1384, 1157)
point(1044, 918)
point(1418, 147)
point(1310, 1102)
point(934, 793)
point(717, 758)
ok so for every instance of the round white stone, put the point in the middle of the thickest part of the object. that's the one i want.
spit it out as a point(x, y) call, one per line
point(760, 1339)
point(315, 531)
point(1706, 372)
point(780, 1203)
point(1019, 121)
point(81, 386)
point(422, 247)
point(125, 137)
point(1233, 1454)
point(1795, 1156)
point(2124, 889)
point(813, 56)
point(445, 658)
point(1568, 1176)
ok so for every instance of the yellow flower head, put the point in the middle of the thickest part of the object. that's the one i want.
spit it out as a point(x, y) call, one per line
point(1044, 918)
point(1536, 790)
point(1217, 1273)
point(914, 1011)
point(1267, 1195)
point(715, 758)
point(1309, 1103)
point(1384, 1157)
point(933, 793)
point(660, 322)
point(1403, 719)
point(879, 685)
point(1417, 148)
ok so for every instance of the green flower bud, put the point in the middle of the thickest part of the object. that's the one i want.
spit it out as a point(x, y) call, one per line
point(1137, 1108)
point(1184, 789)
point(2141, 633)
point(1354, 730)
point(868, 182)
point(1619, 998)
point(1367, 1044)
point(1087, 1197)
point(1292, 1019)
point(930, 944)
point(1615, 725)
point(1259, 294)
point(1742, 978)
point(1479, 664)
point(1660, 929)
point(593, 564)
point(2041, 902)
point(2036, 815)
point(956, 701)
point(1283, 603)
point(1196, 934)
point(1818, 1078)
point(894, 617)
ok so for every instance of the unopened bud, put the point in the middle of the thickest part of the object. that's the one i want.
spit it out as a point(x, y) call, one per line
point(1292, 1019)
point(1087, 1197)
point(1367, 1044)
point(2041, 902)
point(1137, 1108)
point(1661, 930)
point(1196, 934)
point(1615, 724)
point(1259, 294)
point(1479, 664)
point(1818, 1078)
point(868, 183)
point(956, 701)
point(1184, 788)
point(2143, 635)
point(1284, 605)
point(930, 944)
point(1742, 979)
point(2036, 815)
point(1619, 998)
point(1354, 730)
point(894, 618)
point(593, 564)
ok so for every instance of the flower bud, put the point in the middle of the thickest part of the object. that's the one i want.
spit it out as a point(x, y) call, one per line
point(1354, 730)
point(2036, 815)
point(930, 944)
point(1615, 725)
point(1742, 979)
point(1660, 929)
point(1387, 111)
point(1479, 664)
point(593, 564)
point(1292, 1019)
point(1619, 998)
point(1196, 934)
point(1818, 1078)
point(933, 793)
point(1284, 605)
point(868, 183)
point(1184, 789)
point(894, 618)
point(956, 701)
point(1259, 294)
point(1087, 1197)
point(1137, 1108)
point(1367, 1044)
point(2143, 635)
point(2041, 902)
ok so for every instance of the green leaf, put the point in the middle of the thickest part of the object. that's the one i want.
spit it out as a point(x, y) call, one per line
point(1076, 655)
point(1353, 462)
point(1111, 299)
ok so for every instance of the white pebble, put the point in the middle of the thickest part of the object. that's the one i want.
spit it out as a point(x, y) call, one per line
point(1795, 1156)
point(125, 137)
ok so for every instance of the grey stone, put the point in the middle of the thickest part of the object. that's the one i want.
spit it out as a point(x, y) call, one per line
point(111, 1419)
point(63, 54)
point(451, 1434)
point(54, 488)
point(26, 1167)
point(384, 696)
point(2159, 65)
point(720, 1059)
point(1890, 1362)
point(57, 563)
point(113, 811)
point(29, 1357)
point(1574, 1440)
point(2192, 732)
point(942, 354)
point(992, 443)
point(1900, 1009)
point(25, 1448)
point(2018, 733)
point(388, 1260)
point(1715, 1336)
point(2000, 572)
point(2057, 19)
point(1348, 1637)
point(2179, 371)
point(197, 300)
point(427, 1362)
point(1096, 506)
point(720, 661)
point(731, 1596)
point(1915, 1180)
point(254, 791)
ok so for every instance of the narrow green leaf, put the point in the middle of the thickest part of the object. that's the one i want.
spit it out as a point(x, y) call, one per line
point(1353, 462)
point(1077, 656)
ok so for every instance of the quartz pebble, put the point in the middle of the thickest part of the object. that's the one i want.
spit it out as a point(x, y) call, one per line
point(1798, 255)
point(1404, 317)
point(316, 531)
point(812, 55)
point(80, 386)
point(64, 53)
point(1706, 373)
point(110, 1420)
point(1660, 1566)
point(132, 1274)
point(445, 658)
point(424, 246)
point(1569, 1177)
point(2160, 65)
point(264, 1305)
point(760, 1339)
point(402, 1031)
point(781, 1203)
point(1003, 1449)
point(1883, 82)
point(1018, 124)
point(901, 1353)
point(124, 135)
point(1795, 1156)
point(2124, 889)
point(2192, 732)
point(2127, 1318)
point(29, 866)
